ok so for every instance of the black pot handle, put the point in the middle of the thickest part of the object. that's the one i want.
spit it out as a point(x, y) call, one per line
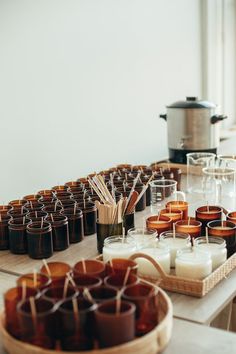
point(164, 116)
point(217, 117)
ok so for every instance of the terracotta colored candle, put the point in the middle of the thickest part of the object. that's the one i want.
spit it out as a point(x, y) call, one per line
point(206, 213)
point(191, 227)
point(173, 214)
point(91, 267)
point(159, 223)
point(102, 293)
point(77, 326)
point(32, 197)
point(115, 327)
point(118, 280)
point(58, 293)
point(143, 296)
point(37, 329)
point(226, 230)
point(56, 271)
point(120, 266)
point(11, 298)
point(35, 280)
point(86, 281)
point(232, 217)
point(179, 204)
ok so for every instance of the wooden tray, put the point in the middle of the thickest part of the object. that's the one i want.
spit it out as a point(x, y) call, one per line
point(198, 288)
point(152, 343)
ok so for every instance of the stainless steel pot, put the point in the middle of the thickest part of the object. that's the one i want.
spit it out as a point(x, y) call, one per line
point(192, 126)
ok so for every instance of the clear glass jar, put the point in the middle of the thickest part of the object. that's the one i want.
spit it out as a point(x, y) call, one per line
point(215, 245)
point(192, 264)
point(175, 242)
point(160, 252)
point(142, 236)
point(118, 247)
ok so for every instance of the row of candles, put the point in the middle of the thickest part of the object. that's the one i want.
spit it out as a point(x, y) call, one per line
point(90, 305)
point(52, 219)
point(193, 247)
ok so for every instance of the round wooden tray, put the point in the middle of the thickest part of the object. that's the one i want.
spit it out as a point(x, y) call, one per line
point(152, 343)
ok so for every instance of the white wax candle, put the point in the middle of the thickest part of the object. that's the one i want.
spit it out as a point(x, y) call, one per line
point(162, 256)
point(218, 254)
point(174, 245)
point(194, 265)
point(118, 250)
point(142, 240)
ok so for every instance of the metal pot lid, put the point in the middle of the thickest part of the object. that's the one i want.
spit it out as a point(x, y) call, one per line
point(192, 102)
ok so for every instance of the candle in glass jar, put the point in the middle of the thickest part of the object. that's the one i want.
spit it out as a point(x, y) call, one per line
point(207, 213)
point(179, 204)
point(192, 227)
point(173, 214)
point(118, 247)
point(232, 217)
point(159, 223)
point(159, 253)
point(142, 236)
point(225, 229)
point(175, 241)
point(216, 246)
point(194, 265)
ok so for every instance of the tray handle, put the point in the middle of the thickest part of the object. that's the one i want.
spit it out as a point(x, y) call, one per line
point(157, 265)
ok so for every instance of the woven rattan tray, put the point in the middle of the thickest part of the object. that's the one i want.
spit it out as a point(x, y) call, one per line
point(153, 342)
point(192, 287)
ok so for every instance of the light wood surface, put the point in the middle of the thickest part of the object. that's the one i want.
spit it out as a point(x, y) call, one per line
point(6, 282)
point(195, 339)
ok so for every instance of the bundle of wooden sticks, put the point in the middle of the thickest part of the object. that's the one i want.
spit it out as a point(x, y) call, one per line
point(109, 210)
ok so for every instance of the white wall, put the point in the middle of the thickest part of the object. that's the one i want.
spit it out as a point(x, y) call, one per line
point(82, 83)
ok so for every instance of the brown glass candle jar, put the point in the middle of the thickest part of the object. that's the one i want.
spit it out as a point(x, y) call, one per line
point(4, 232)
point(48, 200)
point(173, 214)
point(54, 208)
point(67, 203)
point(18, 213)
point(34, 206)
point(18, 202)
point(120, 266)
point(206, 213)
point(177, 173)
point(102, 293)
point(60, 231)
point(226, 230)
point(91, 267)
point(5, 208)
point(57, 271)
point(179, 204)
point(191, 227)
point(117, 280)
point(63, 195)
point(17, 235)
point(59, 188)
point(37, 281)
point(58, 293)
point(143, 296)
point(39, 237)
point(85, 281)
point(75, 222)
point(89, 217)
point(77, 333)
point(32, 197)
point(37, 331)
point(46, 193)
point(37, 215)
point(159, 223)
point(11, 298)
point(231, 217)
point(115, 328)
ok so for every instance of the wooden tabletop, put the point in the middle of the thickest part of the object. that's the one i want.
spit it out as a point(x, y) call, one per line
point(189, 308)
